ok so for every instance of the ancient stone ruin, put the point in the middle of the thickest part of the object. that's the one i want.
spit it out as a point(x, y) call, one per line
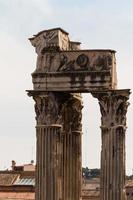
point(62, 73)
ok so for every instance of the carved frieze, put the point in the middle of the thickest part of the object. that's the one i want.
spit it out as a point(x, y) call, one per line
point(83, 62)
point(62, 66)
point(75, 61)
point(73, 70)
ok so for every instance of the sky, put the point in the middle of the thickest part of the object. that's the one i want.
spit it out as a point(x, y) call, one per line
point(98, 25)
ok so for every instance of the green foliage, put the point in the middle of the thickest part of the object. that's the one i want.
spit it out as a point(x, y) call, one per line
point(90, 173)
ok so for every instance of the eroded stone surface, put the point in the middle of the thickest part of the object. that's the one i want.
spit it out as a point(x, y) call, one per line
point(62, 66)
point(64, 71)
point(113, 106)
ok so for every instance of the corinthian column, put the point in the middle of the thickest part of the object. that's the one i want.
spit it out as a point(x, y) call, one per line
point(49, 145)
point(72, 133)
point(113, 106)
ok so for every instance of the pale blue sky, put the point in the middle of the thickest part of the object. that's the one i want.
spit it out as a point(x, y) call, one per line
point(97, 24)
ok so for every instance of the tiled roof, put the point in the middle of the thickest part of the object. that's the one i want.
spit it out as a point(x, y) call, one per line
point(8, 179)
point(17, 178)
point(25, 181)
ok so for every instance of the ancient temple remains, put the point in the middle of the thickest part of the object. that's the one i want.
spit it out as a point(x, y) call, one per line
point(62, 73)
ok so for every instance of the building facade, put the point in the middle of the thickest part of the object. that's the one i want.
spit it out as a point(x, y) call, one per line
point(19, 183)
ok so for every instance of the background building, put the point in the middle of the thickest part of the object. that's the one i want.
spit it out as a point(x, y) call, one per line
point(19, 183)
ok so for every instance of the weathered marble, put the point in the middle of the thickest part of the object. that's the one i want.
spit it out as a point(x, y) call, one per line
point(72, 148)
point(113, 106)
point(62, 73)
point(62, 66)
point(52, 39)
point(48, 108)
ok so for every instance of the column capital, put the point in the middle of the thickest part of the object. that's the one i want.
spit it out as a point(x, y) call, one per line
point(48, 106)
point(72, 114)
point(113, 107)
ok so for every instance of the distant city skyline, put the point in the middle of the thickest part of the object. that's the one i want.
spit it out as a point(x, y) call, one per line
point(98, 25)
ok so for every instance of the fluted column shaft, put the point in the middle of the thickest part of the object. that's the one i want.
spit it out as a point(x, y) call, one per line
point(72, 153)
point(113, 106)
point(48, 107)
point(72, 166)
point(113, 164)
point(58, 132)
point(48, 176)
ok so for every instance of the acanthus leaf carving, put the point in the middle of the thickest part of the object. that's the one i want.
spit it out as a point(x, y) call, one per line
point(50, 106)
point(46, 108)
point(76, 115)
point(72, 114)
point(113, 107)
